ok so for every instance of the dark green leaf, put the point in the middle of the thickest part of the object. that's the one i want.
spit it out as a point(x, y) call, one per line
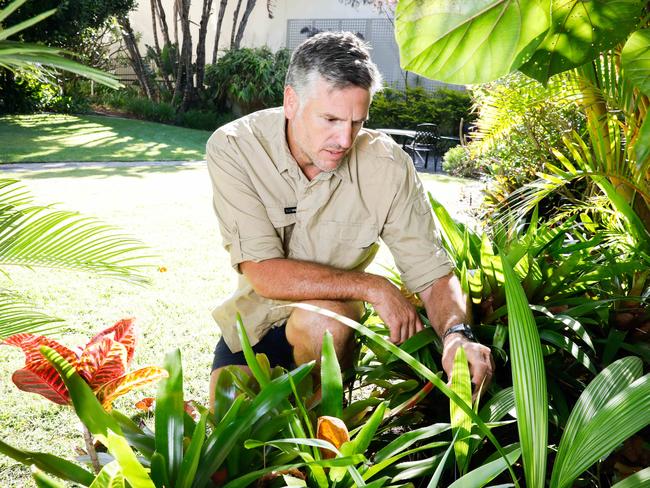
point(169, 414)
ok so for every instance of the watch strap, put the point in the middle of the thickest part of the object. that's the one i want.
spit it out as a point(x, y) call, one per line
point(463, 329)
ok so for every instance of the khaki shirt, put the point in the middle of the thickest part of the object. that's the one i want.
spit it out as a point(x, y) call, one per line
point(267, 208)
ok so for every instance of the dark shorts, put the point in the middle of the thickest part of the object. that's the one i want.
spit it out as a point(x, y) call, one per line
point(274, 344)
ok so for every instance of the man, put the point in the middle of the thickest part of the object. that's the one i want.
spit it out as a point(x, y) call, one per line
point(302, 194)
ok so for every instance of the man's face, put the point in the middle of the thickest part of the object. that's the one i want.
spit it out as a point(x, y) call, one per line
point(323, 125)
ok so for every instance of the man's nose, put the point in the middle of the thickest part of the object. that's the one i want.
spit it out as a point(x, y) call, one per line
point(344, 137)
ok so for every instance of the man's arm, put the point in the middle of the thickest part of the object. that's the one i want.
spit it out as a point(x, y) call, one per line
point(292, 280)
point(445, 303)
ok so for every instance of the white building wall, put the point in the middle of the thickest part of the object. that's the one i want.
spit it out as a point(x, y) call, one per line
point(260, 30)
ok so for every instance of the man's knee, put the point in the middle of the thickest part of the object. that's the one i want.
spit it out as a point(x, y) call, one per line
point(305, 329)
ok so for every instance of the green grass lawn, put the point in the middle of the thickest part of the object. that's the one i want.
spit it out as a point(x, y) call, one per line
point(170, 209)
point(54, 138)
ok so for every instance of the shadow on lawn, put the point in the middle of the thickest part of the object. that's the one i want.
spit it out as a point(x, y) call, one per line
point(96, 138)
point(102, 172)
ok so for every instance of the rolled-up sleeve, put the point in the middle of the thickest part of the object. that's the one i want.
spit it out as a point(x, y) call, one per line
point(411, 235)
point(247, 232)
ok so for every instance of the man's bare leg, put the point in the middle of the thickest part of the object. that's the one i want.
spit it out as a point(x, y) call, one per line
point(305, 331)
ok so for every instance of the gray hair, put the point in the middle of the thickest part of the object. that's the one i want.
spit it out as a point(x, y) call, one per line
point(340, 58)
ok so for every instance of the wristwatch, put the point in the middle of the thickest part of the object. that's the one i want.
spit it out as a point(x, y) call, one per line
point(463, 329)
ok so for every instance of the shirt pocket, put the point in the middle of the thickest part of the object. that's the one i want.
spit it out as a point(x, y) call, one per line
point(345, 245)
point(283, 224)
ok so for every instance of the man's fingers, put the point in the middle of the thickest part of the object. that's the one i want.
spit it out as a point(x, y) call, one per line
point(418, 324)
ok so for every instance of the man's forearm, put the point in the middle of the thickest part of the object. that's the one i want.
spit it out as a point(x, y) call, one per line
point(445, 303)
point(292, 280)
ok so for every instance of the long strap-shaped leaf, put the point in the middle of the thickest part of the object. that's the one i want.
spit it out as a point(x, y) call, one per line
point(169, 415)
point(461, 423)
point(609, 382)
point(528, 378)
point(623, 415)
point(331, 381)
point(414, 364)
point(49, 463)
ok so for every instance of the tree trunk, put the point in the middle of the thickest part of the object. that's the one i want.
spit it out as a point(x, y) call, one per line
point(200, 46)
point(136, 59)
point(222, 11)
point(185, 74)
point(235, 17)
point(159, 61)
point(250, 5)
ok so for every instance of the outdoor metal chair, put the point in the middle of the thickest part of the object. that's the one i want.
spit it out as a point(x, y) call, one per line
point(426, 140)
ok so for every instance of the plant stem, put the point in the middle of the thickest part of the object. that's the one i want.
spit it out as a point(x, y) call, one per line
point(90, 449)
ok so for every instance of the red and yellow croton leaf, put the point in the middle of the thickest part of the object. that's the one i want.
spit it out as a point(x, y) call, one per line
point(108, 392)
point(103, 361)
point(38, 375)
point(123, 332)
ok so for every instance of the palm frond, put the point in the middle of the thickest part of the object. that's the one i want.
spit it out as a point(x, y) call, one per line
point(15, 56)
point(33, 235)
point(16, 316)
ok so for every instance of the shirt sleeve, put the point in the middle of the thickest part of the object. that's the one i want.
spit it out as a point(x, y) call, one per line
point(410, 232)
point(246, 231)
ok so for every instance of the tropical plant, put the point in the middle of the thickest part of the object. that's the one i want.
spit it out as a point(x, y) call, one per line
point(16, 55)
point(38, 236)
point(102, 363)
point(250, 78)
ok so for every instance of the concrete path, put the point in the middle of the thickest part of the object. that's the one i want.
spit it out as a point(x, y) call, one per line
point(18, 167)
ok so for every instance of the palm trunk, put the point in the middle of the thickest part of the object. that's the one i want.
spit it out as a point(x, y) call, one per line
point(250, 5)
point(136, 59)
point(200, 46)
point(159, 62)
point(235, 17)
point(222, 11)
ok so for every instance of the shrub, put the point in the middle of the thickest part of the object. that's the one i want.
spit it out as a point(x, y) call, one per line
point(28, 93)
point(248, 79)
point(407, 109)
point(458, 162)
point(203, 119)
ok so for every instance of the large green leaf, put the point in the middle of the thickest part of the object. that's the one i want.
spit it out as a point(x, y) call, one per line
point(528, 378)
point(110, 476)
point(133, 471)
point(44, 481)
point(635, 60)
point(636, 480)
point(85, 404)
point(487, 471)
point(580, 30)
point(331, 381)
point(461, 423)
point(49, 463)
point(169, 415)
point(474, 41)
point(192, 456)
point(611, 383)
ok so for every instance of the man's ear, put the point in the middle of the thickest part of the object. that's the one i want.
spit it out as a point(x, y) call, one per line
point(290, 102)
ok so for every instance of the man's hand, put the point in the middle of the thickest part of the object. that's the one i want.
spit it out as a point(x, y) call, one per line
point(396, 311)
point(479, 357)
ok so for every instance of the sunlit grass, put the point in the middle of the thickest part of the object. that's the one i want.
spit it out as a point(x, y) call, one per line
point(52, 138)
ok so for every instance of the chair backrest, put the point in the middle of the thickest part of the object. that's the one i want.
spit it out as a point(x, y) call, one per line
point(427, 135)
